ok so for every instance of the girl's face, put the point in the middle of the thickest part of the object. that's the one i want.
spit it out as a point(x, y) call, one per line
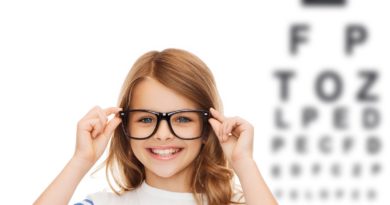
point(159, 153)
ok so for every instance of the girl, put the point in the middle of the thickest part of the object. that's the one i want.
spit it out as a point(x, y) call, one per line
point(170, 144)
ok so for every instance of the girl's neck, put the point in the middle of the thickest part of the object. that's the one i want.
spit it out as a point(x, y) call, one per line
point(180, 182)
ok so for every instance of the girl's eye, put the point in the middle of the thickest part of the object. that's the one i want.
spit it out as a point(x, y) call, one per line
point(146, 120)
point(183, 119)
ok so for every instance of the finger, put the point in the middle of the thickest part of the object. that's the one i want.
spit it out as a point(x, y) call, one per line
point(224, 125)
point(235, 126)
point(95, 127)
point(92, 112)
point(240, 126)
point(112, 124)
point(102, 117)
point(87, 124)
point(216, 125)
point(112, 110)
point(230, 125)
point(226, 129)
point(217, 115)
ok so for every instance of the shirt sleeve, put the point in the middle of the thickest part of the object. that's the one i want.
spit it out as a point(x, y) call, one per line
point(98, 198)
point(238, 194)
point(86, 201)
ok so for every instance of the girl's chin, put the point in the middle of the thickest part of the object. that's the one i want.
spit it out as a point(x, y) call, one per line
point(167, 170)
point(163, 172)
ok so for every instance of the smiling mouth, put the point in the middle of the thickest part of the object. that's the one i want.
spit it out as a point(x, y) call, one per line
point(165, 152)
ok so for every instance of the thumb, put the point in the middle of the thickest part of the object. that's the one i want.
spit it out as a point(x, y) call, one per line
point(216, 125)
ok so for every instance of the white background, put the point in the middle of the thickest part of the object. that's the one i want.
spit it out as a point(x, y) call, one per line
point(60, 58)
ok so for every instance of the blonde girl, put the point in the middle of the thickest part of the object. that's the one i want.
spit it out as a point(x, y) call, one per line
point(169, 142)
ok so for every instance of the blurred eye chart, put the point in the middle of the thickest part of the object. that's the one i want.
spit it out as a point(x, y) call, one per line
point(330, 127)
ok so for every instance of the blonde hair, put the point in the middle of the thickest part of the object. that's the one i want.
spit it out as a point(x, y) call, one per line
point(185, 73)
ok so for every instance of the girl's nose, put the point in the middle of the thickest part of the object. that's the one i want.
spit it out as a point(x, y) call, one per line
point(163, 132)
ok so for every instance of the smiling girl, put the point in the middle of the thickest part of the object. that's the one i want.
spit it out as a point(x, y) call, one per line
point(169, 142)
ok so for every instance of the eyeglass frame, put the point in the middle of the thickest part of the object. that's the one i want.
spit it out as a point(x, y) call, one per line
point(164, 116)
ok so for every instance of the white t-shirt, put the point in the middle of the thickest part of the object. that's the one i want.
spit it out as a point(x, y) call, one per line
point(143, 195)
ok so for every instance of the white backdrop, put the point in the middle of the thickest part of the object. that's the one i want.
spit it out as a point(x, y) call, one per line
point(59, 59)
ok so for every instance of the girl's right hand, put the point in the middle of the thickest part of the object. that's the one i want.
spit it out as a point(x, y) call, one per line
point(94, 132)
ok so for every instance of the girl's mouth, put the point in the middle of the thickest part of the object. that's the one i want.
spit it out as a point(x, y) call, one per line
point(166, 153)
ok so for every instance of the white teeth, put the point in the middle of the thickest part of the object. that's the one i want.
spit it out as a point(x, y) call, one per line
point(164, 152)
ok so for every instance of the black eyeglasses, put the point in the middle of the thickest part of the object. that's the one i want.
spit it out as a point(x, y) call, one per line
point(185, 124)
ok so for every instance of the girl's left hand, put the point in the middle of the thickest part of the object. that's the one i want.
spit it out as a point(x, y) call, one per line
point(235, 135)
